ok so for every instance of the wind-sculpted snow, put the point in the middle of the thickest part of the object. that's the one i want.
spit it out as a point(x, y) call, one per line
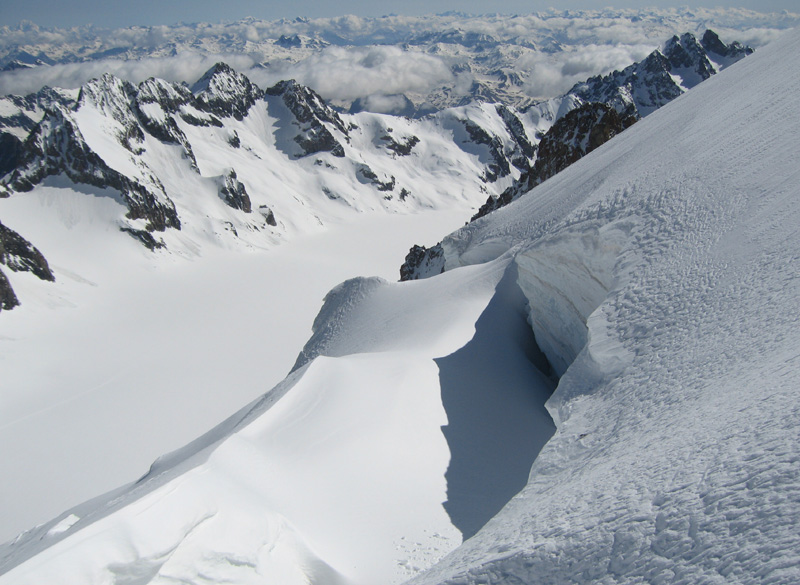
point(289, 488)
point(659, 277)
point(659, 271)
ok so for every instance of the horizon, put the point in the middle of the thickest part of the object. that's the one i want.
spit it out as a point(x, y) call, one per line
point(149, 13)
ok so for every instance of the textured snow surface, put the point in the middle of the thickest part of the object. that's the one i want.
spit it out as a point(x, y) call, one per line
point(664, 269)
point(661, 280)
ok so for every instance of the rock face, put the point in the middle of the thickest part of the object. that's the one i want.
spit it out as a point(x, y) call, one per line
point(570, 139)
point(57, 146)
point(22, 113)
point(232, 191)
point(8, 300)
point(19, 255)
point(665, 74)
point(155, 104)
point(225, 93)
point(422, 262)
point(10, 152)
point(310, 113)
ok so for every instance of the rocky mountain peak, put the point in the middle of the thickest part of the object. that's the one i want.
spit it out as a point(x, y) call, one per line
point(306, 104)
point(108, 93)
point(114, 98)
point(643, 87)
point(171, 96)
point(225, 92)
point(712, 44)
point(686, 52)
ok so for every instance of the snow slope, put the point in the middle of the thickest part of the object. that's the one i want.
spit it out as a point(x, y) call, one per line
point(130, 354)
point(659, 274)
point(662, 277)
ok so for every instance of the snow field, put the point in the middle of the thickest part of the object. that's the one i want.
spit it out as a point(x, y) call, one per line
point(675, 455)
point(130, 354)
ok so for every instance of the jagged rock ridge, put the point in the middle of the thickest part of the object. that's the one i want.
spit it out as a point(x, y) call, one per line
point(595, 111)
point(19, 255)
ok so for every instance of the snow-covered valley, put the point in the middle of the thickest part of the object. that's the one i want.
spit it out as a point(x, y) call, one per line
point(654, 281)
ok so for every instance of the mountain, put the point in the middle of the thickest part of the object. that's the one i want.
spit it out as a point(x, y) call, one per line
point(681, 64)
point(280, 159)
point(143, 197)
point(392, 64)
point(593, 112)
point(654, 279)
point(158, 173)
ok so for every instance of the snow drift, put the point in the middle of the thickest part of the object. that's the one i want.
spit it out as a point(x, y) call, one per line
point(660, 278)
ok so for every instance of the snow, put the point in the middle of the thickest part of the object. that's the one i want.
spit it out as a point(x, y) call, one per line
point(92, 393)
point(675, 457)
point(659, 275)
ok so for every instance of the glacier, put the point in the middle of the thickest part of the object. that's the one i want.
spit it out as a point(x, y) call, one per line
point(659, 277)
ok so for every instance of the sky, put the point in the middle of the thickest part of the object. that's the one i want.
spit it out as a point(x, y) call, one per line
point(60, 13)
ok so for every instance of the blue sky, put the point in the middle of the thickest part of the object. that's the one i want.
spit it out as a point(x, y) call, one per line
point(150, 12)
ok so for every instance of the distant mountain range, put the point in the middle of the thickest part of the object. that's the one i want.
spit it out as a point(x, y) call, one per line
point(141, 141)
point(393, 64)
point(596, 383)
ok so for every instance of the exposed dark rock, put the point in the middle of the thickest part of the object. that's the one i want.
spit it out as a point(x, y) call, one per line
point(402, 148)
point(145, 238)
point(232, 191)
point(57, 146)
point(306, 105)
point(571, 138)
point(26, 111)
point(292, 42)
point(19, 255)
point(115, 98)
point(195, 121)
point(224, 92)
point(169, 97)
point(10, 152)
point(319, 139)
point(367, 175)
point(422, 262)
point(311, 113)
point(644, 87)
point(269, 216)
point(499, 166)
point(8, 300)
point(517, 131)
point(712, 43)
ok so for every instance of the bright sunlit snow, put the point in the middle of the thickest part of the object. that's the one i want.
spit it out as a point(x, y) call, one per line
point(128, 356)
point(659, 277)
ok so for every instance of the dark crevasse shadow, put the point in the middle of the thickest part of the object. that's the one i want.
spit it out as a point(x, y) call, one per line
point(494, 390)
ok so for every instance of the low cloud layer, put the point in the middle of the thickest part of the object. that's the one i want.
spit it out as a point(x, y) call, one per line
point(378, 59)
point(348, 73)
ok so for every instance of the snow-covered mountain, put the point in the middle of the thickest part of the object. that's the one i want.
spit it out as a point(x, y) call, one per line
point(222, 167)
point(144, 142)
point(655, 280)
point(392, 64)
point(595, 111)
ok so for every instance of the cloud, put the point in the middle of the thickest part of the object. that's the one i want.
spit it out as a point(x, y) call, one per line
point(379, 57)
point(186, 67)
point(339, 73)
point(550, 75)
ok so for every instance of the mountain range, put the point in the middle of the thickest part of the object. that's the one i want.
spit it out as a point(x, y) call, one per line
point(593, 380)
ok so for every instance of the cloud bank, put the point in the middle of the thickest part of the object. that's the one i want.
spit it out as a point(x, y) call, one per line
point(378, 59)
